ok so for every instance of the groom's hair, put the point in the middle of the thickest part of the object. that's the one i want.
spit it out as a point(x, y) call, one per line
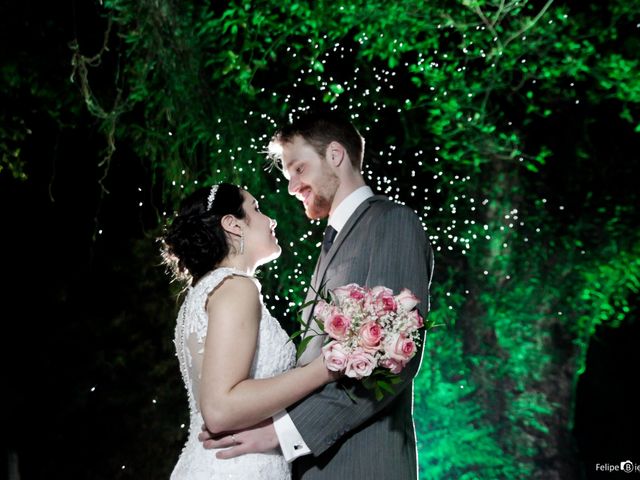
point(319, 130)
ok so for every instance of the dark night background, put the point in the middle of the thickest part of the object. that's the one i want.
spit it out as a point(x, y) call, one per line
point(90, 376)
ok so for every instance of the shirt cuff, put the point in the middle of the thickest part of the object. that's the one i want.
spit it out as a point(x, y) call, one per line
point(291, 441)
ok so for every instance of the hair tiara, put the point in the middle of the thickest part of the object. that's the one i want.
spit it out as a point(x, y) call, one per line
point(212, 196)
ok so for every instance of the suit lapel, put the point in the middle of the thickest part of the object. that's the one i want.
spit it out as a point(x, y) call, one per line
point(324, 262)
point(317, 281)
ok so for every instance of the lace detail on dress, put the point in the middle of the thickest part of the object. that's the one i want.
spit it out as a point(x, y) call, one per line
point(274, 355)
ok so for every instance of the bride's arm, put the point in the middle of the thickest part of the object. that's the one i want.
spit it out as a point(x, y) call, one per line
point(228, 398)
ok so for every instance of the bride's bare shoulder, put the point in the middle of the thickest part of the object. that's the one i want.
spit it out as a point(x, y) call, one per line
point(235, 291)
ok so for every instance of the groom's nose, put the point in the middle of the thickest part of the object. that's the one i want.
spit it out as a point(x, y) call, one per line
point(294, 185)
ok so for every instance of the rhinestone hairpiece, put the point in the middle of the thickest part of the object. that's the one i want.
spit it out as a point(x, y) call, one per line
point(212, 196)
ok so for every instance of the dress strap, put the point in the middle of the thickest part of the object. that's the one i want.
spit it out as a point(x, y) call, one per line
point(211, 280)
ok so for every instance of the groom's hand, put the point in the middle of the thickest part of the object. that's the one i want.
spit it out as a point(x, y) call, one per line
point(259, 438)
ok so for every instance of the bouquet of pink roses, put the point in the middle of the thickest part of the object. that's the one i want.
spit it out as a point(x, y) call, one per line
point(372, 333)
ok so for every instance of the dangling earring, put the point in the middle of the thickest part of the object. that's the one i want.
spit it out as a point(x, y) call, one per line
point(241, 243)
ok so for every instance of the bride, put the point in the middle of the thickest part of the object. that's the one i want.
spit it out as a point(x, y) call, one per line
point(236, 360)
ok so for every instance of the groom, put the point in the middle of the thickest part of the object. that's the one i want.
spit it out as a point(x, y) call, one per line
point(370, 241)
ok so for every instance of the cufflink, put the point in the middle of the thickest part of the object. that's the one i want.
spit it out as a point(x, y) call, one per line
point(297, 446)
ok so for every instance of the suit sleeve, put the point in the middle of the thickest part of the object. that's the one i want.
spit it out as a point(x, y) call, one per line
point(399, 257)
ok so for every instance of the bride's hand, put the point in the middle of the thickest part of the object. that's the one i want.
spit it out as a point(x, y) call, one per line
point(319, 366)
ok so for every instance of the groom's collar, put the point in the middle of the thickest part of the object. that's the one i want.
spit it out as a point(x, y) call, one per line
point(349, 205)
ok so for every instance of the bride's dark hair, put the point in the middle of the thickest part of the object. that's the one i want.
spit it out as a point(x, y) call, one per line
point(195, 242)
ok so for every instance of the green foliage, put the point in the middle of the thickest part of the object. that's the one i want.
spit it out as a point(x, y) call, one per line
point(20, 91)
point(455, 439)
point(10, 141)
point(607, 286)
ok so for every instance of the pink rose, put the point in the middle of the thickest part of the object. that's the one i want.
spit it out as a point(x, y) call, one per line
point(380, 290)
point(416, 321)
point(394, 366)
point(387, 303)
point(342, 293)
point(337, 325)
point(408, 348)
point(360, 364)
point(407, 300)
point(335, 356)
point(323, 311)
point(370, 335)
point(357, 293)
point(400, 347)
point(381, 300)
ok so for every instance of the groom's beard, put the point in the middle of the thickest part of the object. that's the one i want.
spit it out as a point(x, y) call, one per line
point(319, 208)
point(323, 197)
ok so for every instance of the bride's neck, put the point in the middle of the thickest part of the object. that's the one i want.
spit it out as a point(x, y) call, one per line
point(239, 262)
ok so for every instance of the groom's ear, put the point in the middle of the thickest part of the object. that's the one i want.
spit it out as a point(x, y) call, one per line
point(336, 154)
point(231, 224)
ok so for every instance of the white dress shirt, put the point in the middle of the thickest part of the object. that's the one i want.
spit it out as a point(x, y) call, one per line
point(291, 442)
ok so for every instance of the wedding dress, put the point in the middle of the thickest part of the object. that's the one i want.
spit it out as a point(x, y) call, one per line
point(274, 355)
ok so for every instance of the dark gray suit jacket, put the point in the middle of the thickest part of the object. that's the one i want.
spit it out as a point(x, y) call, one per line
point(382, 243)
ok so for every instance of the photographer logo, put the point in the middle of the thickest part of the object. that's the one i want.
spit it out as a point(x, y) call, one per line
point(626, 466)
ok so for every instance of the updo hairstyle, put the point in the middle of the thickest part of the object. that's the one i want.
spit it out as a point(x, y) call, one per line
point(195, 242)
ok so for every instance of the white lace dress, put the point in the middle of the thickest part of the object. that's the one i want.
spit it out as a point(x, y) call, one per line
point(274, 355)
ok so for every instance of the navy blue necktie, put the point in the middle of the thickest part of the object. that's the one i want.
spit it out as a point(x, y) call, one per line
point(327, 239)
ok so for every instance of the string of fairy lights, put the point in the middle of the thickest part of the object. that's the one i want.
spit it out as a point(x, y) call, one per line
point(462, 209)
point(462, 229)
